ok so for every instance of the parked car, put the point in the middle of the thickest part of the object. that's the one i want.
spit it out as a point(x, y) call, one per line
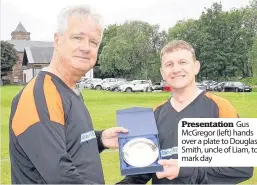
point(115, 87)
point(136, 86)
point(81, 82)
point(219, 87)
point(99, 84)
point(236, 87)
point(201, 86)
point(112, 81)
point(158, 86)
point(91, 81)
point(208, 82)
point(212, 86)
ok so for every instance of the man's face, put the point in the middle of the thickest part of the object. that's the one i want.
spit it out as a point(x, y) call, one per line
point(178, 68)
point(77, 47)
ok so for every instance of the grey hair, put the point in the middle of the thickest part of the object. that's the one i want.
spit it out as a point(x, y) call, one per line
point(78, 10)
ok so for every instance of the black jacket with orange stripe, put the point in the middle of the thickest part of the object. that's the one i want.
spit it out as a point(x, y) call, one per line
point(206, 105)
point(52, 139)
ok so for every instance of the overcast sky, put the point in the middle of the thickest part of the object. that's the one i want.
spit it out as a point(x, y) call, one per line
point(39, 17)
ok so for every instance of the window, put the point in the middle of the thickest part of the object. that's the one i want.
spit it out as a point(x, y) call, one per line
point(137, 82)
point(145, 82)
point(16, 79)
point(228, 84)
point(238, 84)
point(36, 71)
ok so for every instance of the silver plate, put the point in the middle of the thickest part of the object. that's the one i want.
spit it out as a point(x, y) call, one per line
point(140, 152)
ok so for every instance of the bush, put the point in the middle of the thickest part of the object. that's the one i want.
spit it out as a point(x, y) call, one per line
point(254, 89)
point(6, 81)
point(249, 81)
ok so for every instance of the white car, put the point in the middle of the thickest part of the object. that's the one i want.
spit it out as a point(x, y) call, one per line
point(108, 84)
point(99, 84)
point(136, 86)
point(89, 83)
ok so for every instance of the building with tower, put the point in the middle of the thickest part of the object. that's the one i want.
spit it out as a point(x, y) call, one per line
point(33, 56)
point(20, 33)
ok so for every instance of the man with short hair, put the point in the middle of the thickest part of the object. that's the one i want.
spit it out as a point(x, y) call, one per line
point(179, 68)
point(52, 139)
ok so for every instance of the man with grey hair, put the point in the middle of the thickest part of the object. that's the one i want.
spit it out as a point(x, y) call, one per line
point(52, 139)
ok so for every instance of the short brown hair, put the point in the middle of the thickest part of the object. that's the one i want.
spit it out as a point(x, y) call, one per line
point(176, 45)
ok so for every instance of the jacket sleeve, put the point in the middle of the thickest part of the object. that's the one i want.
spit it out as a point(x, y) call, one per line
point(188, 175)
point(136, 179)
point(214, 175)
point(101, 146)
point(227, 175)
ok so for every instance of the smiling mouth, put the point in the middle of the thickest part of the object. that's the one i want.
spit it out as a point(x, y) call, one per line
point(85, 58)
point(179, 77)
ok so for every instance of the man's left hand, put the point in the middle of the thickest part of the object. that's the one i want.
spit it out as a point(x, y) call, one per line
point(170, 169)
point(110, 137)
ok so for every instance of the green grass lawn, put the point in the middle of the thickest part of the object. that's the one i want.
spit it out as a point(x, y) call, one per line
point(102, 107)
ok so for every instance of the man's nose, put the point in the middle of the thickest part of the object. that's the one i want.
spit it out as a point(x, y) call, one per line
point(176, 68)
point(85, 46)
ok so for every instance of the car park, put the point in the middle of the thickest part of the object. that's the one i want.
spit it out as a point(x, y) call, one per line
point(236, 87)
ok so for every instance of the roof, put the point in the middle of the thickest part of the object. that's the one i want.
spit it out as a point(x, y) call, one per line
point(20, 28)
point(37, 55)
point(20, 45)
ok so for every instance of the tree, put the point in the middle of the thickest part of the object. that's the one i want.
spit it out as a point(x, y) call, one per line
point(223, 43)
point(253, 4)
point(221, 40)
point(8, 57)
point(252, 56)
point(108, 34)
point(134, 52)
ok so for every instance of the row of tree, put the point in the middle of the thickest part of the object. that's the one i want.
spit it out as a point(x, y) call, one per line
point(225, 43)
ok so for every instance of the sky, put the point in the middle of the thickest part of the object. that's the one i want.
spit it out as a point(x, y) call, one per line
point(39, 17)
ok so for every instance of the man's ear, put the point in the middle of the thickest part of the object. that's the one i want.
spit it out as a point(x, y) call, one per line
point(197, 67)
point(56, 40)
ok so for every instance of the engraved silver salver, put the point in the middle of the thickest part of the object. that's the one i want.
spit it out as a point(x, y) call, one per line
point(140, 152)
